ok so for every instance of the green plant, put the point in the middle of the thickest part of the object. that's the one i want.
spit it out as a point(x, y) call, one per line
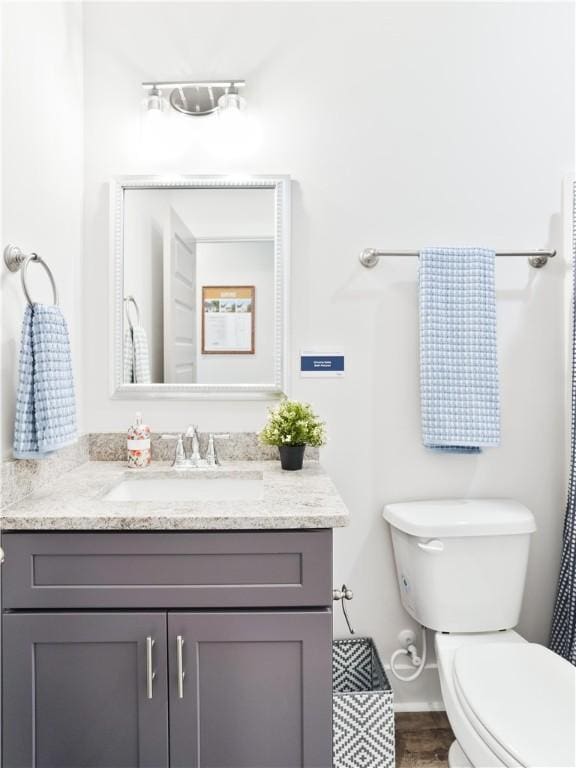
point(293, 423)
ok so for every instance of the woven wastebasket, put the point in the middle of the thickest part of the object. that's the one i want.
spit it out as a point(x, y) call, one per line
point(363, 707)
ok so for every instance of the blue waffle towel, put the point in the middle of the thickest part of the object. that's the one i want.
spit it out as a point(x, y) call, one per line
point(45, 407)
point(458, 351)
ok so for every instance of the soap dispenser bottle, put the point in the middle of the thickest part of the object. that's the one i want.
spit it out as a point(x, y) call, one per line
point(139, 453)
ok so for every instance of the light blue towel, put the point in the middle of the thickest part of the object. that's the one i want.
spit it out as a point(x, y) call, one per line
point(45, 407)
point(459, 389)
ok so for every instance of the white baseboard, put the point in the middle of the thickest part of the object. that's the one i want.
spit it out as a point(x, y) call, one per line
point(420, 695)
point(419, 706)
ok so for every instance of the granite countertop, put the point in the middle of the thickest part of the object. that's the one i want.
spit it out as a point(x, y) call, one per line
point(75, 501)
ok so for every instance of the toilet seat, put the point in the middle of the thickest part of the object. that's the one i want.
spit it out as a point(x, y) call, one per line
point(521, 700)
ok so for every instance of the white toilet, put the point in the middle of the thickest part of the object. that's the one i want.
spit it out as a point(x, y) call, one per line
point(461, 568)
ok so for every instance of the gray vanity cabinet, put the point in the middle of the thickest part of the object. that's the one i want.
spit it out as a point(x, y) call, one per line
point(76, 690)
point(167, 650)
point(250, 690)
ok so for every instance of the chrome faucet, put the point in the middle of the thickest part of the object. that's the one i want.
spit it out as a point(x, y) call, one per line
point(195, 460)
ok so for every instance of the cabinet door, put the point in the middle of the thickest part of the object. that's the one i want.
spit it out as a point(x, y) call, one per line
point(78, 690)
point(250, 690)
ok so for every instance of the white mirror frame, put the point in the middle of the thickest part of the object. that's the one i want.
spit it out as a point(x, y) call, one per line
point(160, 391)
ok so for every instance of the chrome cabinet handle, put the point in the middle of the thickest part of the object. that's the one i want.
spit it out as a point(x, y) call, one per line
point(180, 664)
point(150, 674)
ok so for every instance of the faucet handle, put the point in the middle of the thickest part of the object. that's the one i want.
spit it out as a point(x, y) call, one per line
point(211, 453)
point(179, 454)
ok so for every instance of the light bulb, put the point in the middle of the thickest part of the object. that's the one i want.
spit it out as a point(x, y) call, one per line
point(154, 105)
point(231, 104)
point(154, 119)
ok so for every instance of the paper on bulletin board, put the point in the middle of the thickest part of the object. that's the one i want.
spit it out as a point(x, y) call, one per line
point(228, 320)
point(321, 363)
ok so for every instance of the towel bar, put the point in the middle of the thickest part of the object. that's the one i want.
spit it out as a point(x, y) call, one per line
point(16, 260)
point(537, 259)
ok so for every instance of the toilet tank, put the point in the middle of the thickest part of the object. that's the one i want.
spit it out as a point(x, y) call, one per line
point(461, 563)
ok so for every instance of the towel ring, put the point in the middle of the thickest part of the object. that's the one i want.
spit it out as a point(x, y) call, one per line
point(15, 259)
point(131, 300)
point(38, 260)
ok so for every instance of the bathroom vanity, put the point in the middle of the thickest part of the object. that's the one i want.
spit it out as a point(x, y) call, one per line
point(179, 617)
point(188, 633)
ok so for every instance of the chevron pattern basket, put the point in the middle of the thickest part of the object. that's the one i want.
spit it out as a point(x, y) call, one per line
point(363, 707)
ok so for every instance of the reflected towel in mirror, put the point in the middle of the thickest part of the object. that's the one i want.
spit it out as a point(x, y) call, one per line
point(136, 358)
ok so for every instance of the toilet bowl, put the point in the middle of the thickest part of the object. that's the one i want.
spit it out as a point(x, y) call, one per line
point(509, 702)
point(461, 568)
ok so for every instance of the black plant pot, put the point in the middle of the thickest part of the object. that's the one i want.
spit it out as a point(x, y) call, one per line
point(291, 456)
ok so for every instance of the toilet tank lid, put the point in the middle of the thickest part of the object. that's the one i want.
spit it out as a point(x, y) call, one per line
point(460, 517)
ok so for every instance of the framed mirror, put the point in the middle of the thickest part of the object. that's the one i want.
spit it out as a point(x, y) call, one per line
point(200, 272)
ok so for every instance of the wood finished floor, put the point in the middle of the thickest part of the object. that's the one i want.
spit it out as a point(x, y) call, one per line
point(422, 740)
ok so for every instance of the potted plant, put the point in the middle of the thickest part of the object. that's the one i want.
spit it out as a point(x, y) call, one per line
point(292, 426)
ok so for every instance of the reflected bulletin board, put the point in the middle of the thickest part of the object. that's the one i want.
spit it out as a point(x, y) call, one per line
point(228, 319)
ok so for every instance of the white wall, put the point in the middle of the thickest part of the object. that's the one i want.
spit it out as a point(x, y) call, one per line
point(225, 212)
point(42, 172)
point(402, 124)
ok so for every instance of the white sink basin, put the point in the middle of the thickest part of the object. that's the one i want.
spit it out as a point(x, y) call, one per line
point(187, 489)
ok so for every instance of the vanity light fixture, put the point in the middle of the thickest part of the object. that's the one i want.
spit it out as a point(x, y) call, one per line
point(196, 99)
